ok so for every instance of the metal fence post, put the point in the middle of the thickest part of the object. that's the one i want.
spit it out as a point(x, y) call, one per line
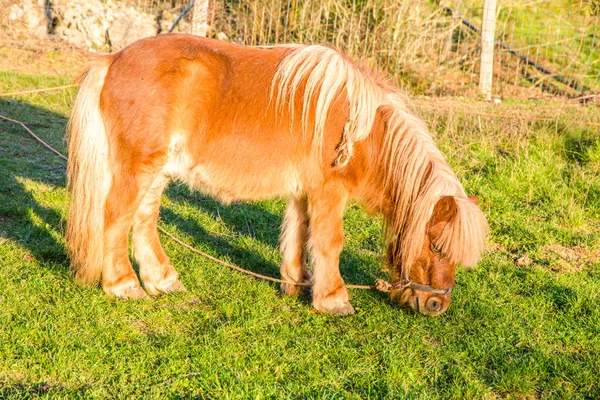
point(487, 48)
point(199, 16)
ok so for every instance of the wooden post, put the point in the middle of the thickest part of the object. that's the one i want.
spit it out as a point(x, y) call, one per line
point(199, 15)
point(486, 68)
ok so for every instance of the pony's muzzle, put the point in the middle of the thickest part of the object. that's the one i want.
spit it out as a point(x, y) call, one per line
point(431, 304)
point(434, 305)
point(425, 303)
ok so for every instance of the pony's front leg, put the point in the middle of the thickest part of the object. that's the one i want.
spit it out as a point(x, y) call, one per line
point(292, 245)
point(156, 271)
point(325, 210)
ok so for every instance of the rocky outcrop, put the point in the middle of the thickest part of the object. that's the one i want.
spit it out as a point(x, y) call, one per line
point(95, 25)
point(24, 18)
point(106, 26)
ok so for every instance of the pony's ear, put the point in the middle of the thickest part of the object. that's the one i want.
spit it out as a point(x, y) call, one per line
point(445, 209)
point(443, 212)
point(474, 200)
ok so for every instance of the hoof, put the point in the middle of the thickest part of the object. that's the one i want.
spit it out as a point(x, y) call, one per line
point(174, 287)
point(340, 308)
point(127, 292)
point(170, 285)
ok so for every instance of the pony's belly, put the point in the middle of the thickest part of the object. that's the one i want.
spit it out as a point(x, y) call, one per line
point(240, 184)
point(230, 179)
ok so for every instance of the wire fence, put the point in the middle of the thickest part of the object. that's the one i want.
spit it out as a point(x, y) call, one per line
point(565, 40)
point(428, 47)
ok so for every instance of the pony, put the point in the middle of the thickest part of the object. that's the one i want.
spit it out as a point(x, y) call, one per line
point(245, 123)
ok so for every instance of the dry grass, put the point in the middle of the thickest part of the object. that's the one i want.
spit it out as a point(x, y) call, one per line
point(409, 40)
point(49, 56)
point(425, 48)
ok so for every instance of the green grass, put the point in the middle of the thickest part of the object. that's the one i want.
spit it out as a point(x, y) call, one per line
point(516, 331)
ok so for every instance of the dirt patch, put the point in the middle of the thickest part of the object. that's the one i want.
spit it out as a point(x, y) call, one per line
point(555, 257)
point(141, 326)
point(527, 111)
point(568, 259)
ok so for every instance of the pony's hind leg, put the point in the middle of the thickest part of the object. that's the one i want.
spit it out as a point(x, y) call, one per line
point(325, 210)
point(118, 277)
point(292, 245)
point(156, 271)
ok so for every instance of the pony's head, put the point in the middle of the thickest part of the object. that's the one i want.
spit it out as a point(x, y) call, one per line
point(426, 284)
point(432, 225)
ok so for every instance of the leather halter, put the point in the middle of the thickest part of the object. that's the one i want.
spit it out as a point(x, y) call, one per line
point(406, 283)
point(403, 284)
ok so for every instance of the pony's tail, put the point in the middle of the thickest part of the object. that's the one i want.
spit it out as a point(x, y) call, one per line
point(89, 175)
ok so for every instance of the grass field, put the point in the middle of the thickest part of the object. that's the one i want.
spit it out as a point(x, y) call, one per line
point(525, 323)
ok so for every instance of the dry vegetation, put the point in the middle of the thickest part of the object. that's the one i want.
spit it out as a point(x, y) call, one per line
point(427, 48)
point(422, 45)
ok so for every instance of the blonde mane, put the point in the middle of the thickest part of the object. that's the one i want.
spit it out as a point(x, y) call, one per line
point(416, 174)
point(323, 73)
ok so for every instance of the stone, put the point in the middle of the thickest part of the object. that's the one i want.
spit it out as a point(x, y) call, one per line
point(29, 17)
point(90, 24)
point(15, 13)
point(523, 261)
point(123, 32)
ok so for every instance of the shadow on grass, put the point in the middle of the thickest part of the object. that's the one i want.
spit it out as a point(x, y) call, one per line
point(578, 142)
point(559, 296)
point(220, 247)
point(35, 391)
point(241, 219)
point(22, 218)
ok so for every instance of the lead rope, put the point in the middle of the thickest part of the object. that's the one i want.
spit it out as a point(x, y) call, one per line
point(380, 284)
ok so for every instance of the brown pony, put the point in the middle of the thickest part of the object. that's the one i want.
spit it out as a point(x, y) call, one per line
point(243, 123)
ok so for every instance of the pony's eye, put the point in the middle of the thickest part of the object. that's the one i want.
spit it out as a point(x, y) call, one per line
point(435, 249)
